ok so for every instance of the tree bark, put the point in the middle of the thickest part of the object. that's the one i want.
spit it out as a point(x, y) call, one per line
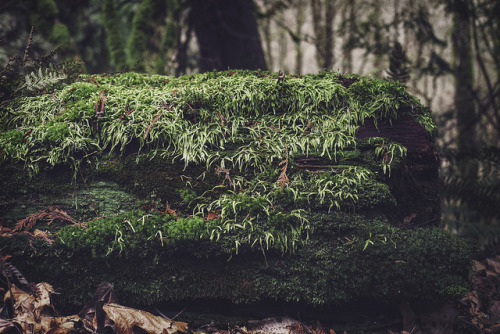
point(348, 17)
point(114, 41)
point(227, 34)
point(465, 109)
point(299, 53)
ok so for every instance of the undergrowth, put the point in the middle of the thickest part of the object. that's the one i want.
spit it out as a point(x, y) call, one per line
point(238, 124)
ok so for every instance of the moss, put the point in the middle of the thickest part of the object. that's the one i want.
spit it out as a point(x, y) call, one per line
point(422, 265)
point(207, 192)
point(56, 133)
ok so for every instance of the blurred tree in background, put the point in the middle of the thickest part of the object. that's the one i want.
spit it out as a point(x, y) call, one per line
point(447, 52)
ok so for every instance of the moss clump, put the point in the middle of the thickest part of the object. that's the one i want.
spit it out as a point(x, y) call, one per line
point(238, 189)
point(154, 257)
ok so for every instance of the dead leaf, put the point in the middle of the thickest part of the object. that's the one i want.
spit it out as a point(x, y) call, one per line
point(495, 311)
point(319, 328)
point(126, 319)
point(480, 268)
point(35, 315)
point(493, 264)
point(104, 294)
point(43, 305)
point(212, 215)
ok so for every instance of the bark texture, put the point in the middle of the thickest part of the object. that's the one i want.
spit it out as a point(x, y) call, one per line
point(227, 35)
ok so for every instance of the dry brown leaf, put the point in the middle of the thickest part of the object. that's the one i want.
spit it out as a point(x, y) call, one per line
point(479, 267)
point(126, 318)
point(18, 295)
point(30, 313)
point(493, 264)
point(43, 303)
point(5, 232)
point(494, 311)
point(45, 235)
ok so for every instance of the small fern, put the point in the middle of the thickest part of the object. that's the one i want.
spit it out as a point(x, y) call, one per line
point(43, 79)
point(398, 67)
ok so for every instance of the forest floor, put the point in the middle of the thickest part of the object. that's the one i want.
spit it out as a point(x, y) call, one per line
point(478, 312)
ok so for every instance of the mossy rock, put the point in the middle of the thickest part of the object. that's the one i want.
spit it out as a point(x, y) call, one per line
point(228, 186)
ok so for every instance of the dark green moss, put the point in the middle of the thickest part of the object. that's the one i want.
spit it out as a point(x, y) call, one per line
point(204, 191)
point(337, 266)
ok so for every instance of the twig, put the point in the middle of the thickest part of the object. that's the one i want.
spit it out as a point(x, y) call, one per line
point(307, 128)
point(25, 58)
point(157, 117)
point(160, 313)
point(283, 178)
point(178, 314)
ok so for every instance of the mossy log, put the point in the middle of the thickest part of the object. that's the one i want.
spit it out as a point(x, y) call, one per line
point(228, 186)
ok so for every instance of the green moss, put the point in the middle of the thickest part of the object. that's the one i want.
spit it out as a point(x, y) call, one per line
point(56, 133)
point(204, 183)
point(423, 265)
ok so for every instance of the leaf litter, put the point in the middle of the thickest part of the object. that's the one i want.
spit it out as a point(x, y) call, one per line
point(28, 308)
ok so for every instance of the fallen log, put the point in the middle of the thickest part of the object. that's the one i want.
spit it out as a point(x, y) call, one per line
point(320, 191)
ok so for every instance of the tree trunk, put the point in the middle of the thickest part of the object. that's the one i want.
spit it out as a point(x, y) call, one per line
point(170, 36)
point(114, 40)
point(465, 109)
point(227, 35)
point(282, 44)
point(323, 31)
point(348, 17)
point(329, 36)
point(299, 53)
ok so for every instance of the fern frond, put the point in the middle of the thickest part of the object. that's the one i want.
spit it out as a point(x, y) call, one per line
point(398, 68)
point(27, 223)
point(42, 79)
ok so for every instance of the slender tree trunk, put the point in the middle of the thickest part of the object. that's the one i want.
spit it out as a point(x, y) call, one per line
point(140, 34)
point(170, 36)
point(266, 28)
point(396, 19)
point(323, 31)
point(318, 31)
point(299, 54)
point(378, 51)
point(183, 40)
point(329, 36)
point(348, 17)
point(282, 44)
point(465, 108)
point(114, 41)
